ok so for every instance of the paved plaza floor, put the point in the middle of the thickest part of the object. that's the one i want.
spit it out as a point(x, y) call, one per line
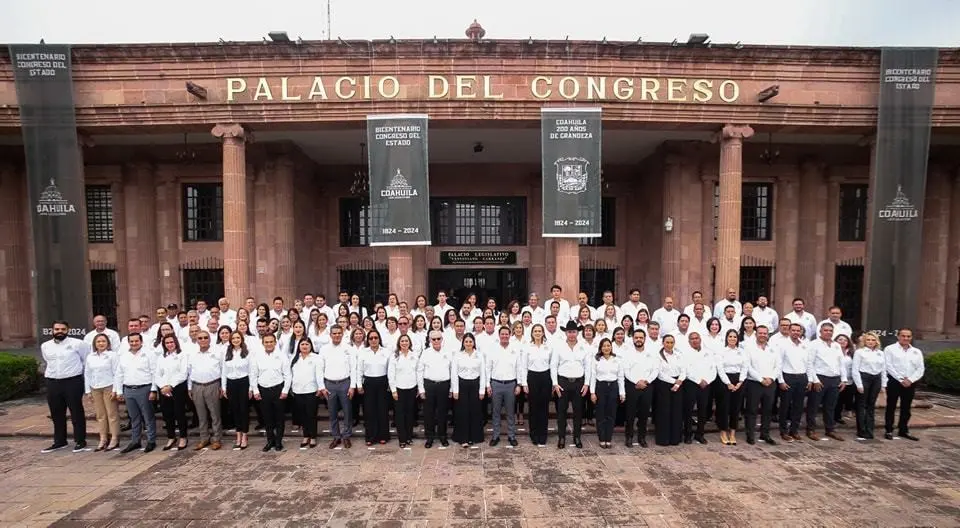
point(828, 483)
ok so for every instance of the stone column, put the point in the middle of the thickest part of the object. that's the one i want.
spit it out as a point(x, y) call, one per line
point(283, 243)
point(953, 259)
point(567, 274)
point(537, 268)
point(832, 238)
point(709, 183)
point(120, 245)
point(812, 245)
point(236, 266)
point(168, 237)
point(400, 262)
point(787, 237)
point(264, 216)
point(731, 191)
point(934, 253)
point(16, 322)
point(670, 252)
point(140, 215)
point(868, 141)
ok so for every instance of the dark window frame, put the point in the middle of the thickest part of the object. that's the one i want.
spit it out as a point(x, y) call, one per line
point(852, 224)
point(755, 281)
point(479, 221)
point(99, 200)
point(358, 219)
point(371, 284)
point(608, 225)
point(206, 284)
point(103, 294)
point(594, 281)
point(202, 212)
point(756, 211)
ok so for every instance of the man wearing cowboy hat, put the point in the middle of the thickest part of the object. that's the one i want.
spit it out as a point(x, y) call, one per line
point(569, 372)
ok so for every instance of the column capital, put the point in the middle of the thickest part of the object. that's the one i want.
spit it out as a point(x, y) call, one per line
point(709, 177)
point(788, 177)
point(731, 131)
point(810, 164)
point(138, 167)
point(835, 175)
point(229, 130)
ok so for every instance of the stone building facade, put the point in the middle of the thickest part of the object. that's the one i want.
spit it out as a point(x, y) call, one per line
point(246, 190)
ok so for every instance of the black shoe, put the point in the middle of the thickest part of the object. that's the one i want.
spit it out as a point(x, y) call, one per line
point(444, 442)
point(751, 440)
point(150, 447)
point(577, 442)
point(428, 444)
point(512, 441)
point(278, 447)
point(888, 436)
point(769, 440)
point(643, 442)
point(125, 427)
point(130, 447)
point(79, 446)
point(561, 443)
point(909, 436)
point(869, 436)
point(701, 440)
point(55, 447)
point(628, 442)
point(688, 440)
point(494, 441)
point(267, 447)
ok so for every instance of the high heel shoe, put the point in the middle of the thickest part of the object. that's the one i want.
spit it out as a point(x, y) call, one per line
point(724, 439)
point(170, 444)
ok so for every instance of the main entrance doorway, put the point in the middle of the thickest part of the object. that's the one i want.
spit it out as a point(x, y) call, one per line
point(504, 285)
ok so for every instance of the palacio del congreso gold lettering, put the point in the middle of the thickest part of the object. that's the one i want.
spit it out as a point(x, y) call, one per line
point(481, 87)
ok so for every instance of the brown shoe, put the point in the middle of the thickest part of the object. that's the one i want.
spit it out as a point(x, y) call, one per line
point(201, 445)
point(216, 446)
point(812, 435)
point(346, 443)
point(334, 443)
point(835, 436)
point(786, 438)
point(797, 438)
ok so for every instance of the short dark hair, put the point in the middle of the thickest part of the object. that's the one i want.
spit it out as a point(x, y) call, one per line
point(556, 287)
point(60, 322)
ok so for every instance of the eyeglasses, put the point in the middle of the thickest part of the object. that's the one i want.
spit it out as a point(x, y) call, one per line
point(436, 339)
point(203, 338)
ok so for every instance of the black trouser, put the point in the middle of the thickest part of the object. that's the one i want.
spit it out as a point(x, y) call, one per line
point(846, 401)
point(608, 396)
point(589, 409)
point(376, 418)
point(791, 403)
point(693, 394)
point(570, 394)
point(539, 386)
point(826, 396)
point(520, 400)
point(273, 419)
point(867, 403)
point(896, 391)
point(729, 403)
point(356, 404)
point(305, 410)
point(63, 394)
point(637, 409)
point(759, 396)
point(405, 413)
point(238, 396)
point(669, 414)
point(174, 409)
point(435, 405)
point(469, 414)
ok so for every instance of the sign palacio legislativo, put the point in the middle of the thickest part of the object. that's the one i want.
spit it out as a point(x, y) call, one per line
point(346, 87)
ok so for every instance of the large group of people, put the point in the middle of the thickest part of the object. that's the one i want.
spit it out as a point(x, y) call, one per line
point(396, 364)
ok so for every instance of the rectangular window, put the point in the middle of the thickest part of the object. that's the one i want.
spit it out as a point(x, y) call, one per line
point(756, 211)
point(202, 284)
point(372, 285)
point(853, 213)
point(848, 293)
point(608, 230)
point(202, 212)
point(99, 214)
point(479, 221)
point(596, 281)
point(754, 282)
point(357, 220)
point(103, 289)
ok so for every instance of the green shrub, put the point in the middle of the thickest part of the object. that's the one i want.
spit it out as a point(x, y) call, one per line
point(943, 370)
point(18, 375)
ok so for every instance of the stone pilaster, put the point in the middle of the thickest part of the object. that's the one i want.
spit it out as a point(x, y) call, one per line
point(264, 216)
point(400, 262)
point(567, 274)
point(285, 233)
point(140, 215)
point(834, 178)
point(168, 237)
point(953, 259)
point(708, 179)
point(812, 245)
point(731, 190)
point(236, 266)
point(787, 237)
point(16, 322)
point(120, 245)
point(935, 253)
point(871, 142)
point(673, 207)
point(537, 278)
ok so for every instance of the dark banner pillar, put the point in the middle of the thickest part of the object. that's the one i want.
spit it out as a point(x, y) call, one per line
point(897, 191)
point(55, 185)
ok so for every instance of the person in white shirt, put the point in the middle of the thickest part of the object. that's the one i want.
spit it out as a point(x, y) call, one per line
point(697, 298)
point(732, 365)
point(270, 380)
point(556, 294)
point(277, 312)
point(133, 383)
point(668, 405)
point(805, 319)
point(762, 374)
point(764, 315)
point(535, 379)
point(402, 377)
point(641, 368)
point(503, 366)
point(235, 383)
point(729, 300)
point(666, 315)
point(699, 317)
point(227, 316)
point(338, 379)
point(583, 302)
point(606, 390)
point(100, 327)
point(700, 364)
point(533, 307)
point(569, 373)
point(372, 378)
point(205, 374)
point(305, 383)
point(870, 377)
point(633, 306)
point(834, 317)
point(434, 372)
point(171, 382)
point(64, 357)
point(98, 371)
point(468, 387)
point(682, 330)
point(795, 366)
point(441, 307)
point(904, 365)
point(654, 341)
point(729, 320)
point(828, 378)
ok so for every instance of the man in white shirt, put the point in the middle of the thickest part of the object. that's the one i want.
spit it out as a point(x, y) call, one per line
point(828, 378)
point(64, 357)
point(181, 327)
point(204, 370)
point(343, 299)
point(905, 367)
point(434, 372)
point(270, 379)
point(227, 316)
point(608, 301)
point(570, 374)
point(203, 315)
point(640, 370)
point(666, 316)
point(556, 294)
point(795, 362)
point(834, 314)
point(404, 325)
point(133, 383)
point(582, 302)
point(172, 311)
point(552, 334)
point(654, 342)
point(533, 306)
point(503, 366)
point(277, 311)
point(681, 334)
point(100, 327)
point(805, 319)
point(729, 320)
point(762, 374)
point(633, 306)
point(441, 307)
point(699, 319)
point(730, 300)
point(764, 315)
point(697, 297)
point(338, 372)
point(321, 304)
point(488, 339)
point(160, 317)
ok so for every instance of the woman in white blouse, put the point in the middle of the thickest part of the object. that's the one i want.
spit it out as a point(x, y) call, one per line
point(356, 341)
point(847, 399)
point(869, 373)
point(748, 331)
point(171, 382)
point(606, 390)
point(355, 306)
point(402, 377)
point(714, 337)
point(98, 371)
point(584, 316)
point(419, 306)
point(732, 364)
point(318, 332)
point(235, 385)
point(305, 389)
point(467, 387)
point(372, 372)
point(380, 319)
point(669, 399)
point(393, 306)
point(619, 341)
point(535, 364)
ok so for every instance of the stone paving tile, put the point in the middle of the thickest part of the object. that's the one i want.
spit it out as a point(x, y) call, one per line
point(848, 484)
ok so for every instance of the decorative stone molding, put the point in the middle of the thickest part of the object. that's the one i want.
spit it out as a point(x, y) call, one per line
point(229, 130)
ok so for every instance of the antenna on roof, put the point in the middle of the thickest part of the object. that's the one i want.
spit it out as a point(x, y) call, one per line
point(329, 33)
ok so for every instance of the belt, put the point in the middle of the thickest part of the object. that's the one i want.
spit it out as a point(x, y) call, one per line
point(434, 381)
point(504, 381)
point(134, 387)
point(578, 378)
point(204, 384)
point(334, 382)
point(602, 381)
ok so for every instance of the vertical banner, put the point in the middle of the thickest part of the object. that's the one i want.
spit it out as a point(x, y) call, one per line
point(570, 142)
point(907, 80)
point(42, 73)
point(399, 180)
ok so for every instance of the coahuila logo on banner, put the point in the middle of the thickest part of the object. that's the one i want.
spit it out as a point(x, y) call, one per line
point(52, 203)
point(398, 188)
point(571, 175)
point(900, 209)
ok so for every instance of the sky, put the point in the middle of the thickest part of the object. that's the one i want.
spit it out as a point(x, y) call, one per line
point(870, 23)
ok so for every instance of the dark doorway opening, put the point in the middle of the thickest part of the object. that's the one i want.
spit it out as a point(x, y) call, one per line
point(848, 294)
point(504, 285)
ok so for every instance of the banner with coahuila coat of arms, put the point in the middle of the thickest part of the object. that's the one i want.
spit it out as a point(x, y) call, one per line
point(570, 139)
